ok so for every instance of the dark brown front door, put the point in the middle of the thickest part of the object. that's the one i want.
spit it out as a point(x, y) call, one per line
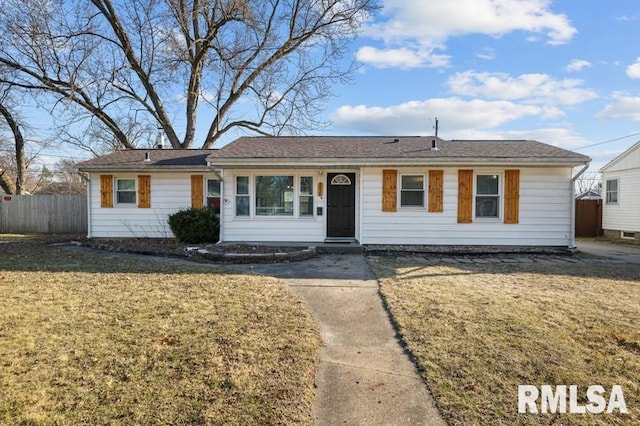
point(341, 205)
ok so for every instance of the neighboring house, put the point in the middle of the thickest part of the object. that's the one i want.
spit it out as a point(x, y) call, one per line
point(589, 195)
point(621, 182)
point(374, 190)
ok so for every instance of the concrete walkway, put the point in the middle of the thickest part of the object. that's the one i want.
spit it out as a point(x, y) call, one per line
point(364, 376)
point(627, 253)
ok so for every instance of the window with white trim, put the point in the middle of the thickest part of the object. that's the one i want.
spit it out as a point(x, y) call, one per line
point(612, 191)
point(242, 196)
point(274, 195)
point(412, 191)
point(213, 194)
point(487, 196)
point(306, 196)
point(125, 191)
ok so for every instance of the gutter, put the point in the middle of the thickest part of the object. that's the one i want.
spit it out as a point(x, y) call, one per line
point(247, 163)
point(572, 241)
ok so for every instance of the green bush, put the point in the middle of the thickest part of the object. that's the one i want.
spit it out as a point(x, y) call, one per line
point(195, 225)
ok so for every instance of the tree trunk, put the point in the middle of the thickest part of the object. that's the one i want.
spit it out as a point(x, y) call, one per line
point(21, 161)
point(6, 184)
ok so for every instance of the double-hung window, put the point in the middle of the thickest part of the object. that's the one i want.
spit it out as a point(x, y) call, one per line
point(274, 195)
point(125, 191)
point(306, 196)
point(242, 196)
point(412, 191)
point(612, 191)
point(487, 196)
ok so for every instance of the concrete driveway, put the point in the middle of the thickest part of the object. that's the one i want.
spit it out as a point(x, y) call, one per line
point(627, 253)
point(364, 376)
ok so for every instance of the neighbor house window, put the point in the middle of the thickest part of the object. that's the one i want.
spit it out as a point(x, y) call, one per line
point(126, 191)
point(612, 191)
point(487, 196)
point(306, 196)
point(412, 191)
point(213, 194)
point(274, 195)
point(242, 196)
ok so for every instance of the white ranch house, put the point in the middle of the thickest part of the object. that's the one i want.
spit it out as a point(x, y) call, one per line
point(621, 193)
point(373, 190)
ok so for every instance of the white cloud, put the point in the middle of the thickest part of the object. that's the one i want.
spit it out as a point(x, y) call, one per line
point(577, 65)
point(633, 70)
point(622, 107)
point(531, 88)
point(487, 54)
point(426, 26)
point(398, 58)
point(554, 136)
point(411, 118)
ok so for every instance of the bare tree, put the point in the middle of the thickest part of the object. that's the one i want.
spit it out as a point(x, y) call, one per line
point(589, 182)
point(63, 179)
point(18, 158)
point(264, 66)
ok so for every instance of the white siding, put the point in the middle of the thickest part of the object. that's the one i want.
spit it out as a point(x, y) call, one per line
point(275, 228)
point(170, 192)
point(625, 215)
point(545, 195)
point(544, 219)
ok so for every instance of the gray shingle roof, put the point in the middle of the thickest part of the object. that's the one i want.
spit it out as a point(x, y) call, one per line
point(354, 150)
point(134, 159)
point(384, 148)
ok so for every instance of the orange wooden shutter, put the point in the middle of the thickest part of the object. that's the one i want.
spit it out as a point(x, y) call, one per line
point(436, 180)
point(389, 190)
point(511, 195)
point(465, 195)
point(144, 191)
point(106, 191)
point(197, 191)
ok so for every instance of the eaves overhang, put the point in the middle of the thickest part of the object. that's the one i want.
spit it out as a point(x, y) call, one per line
point(143, 168)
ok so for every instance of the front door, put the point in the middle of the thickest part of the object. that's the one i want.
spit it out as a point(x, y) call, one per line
point(341, 205)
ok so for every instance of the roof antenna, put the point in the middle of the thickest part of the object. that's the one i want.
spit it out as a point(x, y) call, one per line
point(434, 141)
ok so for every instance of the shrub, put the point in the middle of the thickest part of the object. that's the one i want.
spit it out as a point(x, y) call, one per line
point(195, 225)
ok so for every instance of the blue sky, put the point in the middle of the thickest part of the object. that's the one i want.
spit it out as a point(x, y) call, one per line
point(563, 72)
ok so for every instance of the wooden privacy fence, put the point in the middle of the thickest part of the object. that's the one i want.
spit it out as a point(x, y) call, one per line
point(588, 218)
point(43, 214)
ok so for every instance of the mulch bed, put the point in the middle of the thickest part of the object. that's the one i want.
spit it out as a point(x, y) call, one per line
point(172, 247)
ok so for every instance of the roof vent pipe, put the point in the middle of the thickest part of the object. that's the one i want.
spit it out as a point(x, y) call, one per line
point(434, 145)
point(160, 139)
point(147, 158)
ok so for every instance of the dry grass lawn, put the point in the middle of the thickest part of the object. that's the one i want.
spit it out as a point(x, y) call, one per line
point(95, 339)
point(479, 331)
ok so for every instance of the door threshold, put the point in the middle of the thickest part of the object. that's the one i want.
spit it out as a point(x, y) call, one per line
point(340, 240)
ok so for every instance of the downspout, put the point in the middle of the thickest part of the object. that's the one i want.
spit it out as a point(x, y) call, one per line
point(572, 242)
point(88, 180)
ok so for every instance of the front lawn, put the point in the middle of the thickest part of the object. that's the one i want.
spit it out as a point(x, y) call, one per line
point(95, 339)
point(479, 331)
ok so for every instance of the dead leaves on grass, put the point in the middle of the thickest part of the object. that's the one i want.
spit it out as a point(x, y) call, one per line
point(169, 340)
point(625, 343)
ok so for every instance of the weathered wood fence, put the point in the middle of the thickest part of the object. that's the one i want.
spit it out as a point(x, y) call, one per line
point(43, 214)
